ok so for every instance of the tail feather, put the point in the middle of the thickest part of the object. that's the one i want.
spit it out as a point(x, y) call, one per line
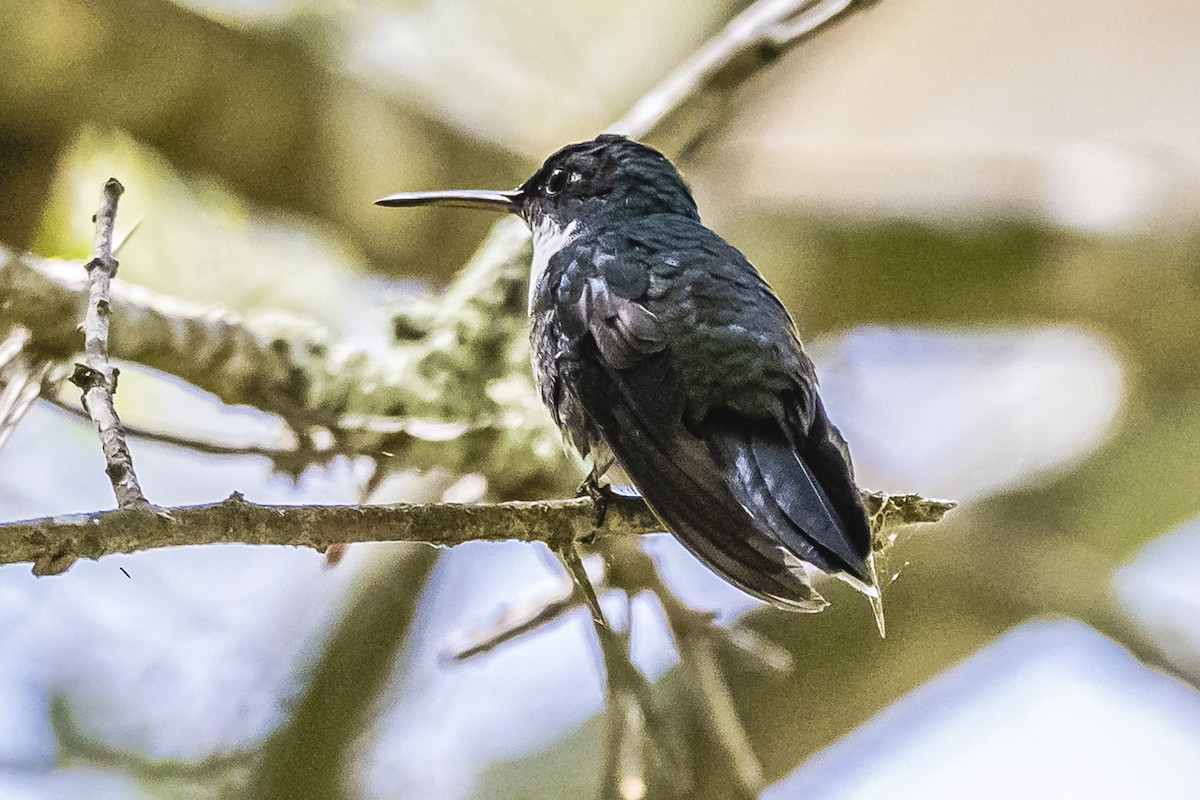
point(811, 520)
point(683, 483)
point(735, 492)
point(875, 596)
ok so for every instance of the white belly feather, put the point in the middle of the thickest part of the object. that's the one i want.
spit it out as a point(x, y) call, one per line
point(548, 239)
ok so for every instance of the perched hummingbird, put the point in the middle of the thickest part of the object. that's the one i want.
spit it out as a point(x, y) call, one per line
point(659, 349)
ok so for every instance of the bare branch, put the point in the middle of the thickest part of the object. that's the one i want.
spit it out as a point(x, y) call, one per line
point(762, 650)
point(710, 691)
point(12, 345)
point(50, 540)
point(635, 572)
point(697, 639)
point(97, 378)
point(568, 554)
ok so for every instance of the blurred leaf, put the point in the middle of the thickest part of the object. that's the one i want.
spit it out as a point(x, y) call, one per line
point(198, 241)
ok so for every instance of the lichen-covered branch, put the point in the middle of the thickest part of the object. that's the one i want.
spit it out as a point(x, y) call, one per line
point(52, 543)
point(280, 365)
point(97, 378)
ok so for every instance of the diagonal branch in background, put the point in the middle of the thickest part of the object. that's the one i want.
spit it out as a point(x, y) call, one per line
point(96, 377)
point(747, 43)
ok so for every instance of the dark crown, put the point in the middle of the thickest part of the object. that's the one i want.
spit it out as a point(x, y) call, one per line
point(609, 174)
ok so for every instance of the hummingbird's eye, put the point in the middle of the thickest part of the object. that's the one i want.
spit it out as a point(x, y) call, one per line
point(557, 181)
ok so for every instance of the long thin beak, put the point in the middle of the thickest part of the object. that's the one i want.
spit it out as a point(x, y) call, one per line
point(463, 198)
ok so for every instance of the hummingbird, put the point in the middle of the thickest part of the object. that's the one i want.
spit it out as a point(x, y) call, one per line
point(663, 354)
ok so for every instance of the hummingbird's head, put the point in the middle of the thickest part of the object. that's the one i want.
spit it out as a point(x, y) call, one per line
point(609, 175)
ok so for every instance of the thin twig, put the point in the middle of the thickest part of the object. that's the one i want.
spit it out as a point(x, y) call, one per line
point(425, 431)
point(13, 344)
point(205, 446)
point(19, 391)
point(697, 639)
point(512, 623)
point(643, 749)
point(762, 651)
point(20, 381)
point(568, 554)
point(96, 377)
point(711, 695)
point(639, 743)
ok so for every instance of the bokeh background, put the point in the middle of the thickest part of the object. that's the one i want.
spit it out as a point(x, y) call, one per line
point(984, 217)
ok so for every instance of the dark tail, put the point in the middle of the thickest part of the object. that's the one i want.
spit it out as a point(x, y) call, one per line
point(736, 492)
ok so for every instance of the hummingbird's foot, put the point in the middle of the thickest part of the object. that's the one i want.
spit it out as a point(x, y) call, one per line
point(600, 494)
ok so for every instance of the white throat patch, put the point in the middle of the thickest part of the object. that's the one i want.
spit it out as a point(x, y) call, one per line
point(548, 239)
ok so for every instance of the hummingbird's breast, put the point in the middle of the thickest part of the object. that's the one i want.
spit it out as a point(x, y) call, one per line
point(549, 237)
point(561, 262)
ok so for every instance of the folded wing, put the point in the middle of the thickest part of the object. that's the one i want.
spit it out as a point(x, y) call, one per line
point(736, 491)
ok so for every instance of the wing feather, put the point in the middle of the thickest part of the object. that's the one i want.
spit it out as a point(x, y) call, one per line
point(625, 331)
